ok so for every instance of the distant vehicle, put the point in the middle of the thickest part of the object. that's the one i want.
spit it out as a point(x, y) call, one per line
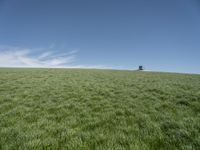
point(141, 68)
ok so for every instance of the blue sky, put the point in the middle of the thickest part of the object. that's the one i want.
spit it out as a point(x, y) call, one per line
point(162, 35)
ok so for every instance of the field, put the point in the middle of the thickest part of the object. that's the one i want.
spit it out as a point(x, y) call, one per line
point(98, 109)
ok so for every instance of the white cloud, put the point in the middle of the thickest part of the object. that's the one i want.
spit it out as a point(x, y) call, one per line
point(44, 55)
point(19, 57)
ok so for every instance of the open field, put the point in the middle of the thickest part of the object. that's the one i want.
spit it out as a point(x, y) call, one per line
point(98, 109)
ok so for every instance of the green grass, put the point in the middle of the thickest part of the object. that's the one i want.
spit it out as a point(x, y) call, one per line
point(98, 109)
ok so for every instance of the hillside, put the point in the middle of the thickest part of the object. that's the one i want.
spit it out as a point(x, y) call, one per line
point(98, 109)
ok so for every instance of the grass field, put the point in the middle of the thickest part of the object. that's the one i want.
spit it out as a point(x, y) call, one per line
point(98, 109)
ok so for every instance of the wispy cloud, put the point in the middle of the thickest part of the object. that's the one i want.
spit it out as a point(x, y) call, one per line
point(23, 57)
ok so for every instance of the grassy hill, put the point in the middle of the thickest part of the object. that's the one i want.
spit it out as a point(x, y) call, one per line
point(97, 109)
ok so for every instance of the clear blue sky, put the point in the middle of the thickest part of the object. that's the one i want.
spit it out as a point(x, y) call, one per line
point(162, 35)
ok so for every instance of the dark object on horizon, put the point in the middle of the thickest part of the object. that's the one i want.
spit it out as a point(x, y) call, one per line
point(141, 68)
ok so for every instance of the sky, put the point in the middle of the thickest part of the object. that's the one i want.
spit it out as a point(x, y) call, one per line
point(161, 35)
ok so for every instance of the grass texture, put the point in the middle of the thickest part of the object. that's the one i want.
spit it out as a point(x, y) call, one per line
point(76, 109)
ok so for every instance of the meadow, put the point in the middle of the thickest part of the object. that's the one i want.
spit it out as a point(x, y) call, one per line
point(80, 109)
